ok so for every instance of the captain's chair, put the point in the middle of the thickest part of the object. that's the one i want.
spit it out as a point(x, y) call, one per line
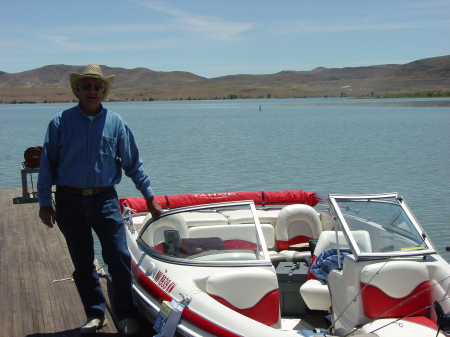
point(296, 224)
point(251, 292)
point(396, 289)
point(315, 294)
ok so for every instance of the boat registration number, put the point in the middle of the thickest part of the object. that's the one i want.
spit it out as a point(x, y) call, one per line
point(163, 281)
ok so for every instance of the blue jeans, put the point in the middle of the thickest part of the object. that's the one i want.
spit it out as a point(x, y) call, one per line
point(76, 216)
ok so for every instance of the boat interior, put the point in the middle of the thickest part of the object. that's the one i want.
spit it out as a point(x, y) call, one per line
point(366, 292)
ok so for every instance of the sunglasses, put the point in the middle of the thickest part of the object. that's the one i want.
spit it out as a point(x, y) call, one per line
point(92, 86)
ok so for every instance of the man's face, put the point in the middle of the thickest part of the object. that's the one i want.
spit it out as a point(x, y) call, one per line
point(91, 92)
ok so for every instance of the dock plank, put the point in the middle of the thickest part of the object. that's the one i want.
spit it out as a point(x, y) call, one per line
point(31, 258)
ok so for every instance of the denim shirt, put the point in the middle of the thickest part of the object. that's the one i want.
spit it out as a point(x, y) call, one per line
point(87, 153)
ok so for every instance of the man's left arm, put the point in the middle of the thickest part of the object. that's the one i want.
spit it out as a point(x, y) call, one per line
point(133, 168)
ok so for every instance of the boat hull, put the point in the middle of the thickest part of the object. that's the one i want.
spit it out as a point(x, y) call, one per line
point(200, 281)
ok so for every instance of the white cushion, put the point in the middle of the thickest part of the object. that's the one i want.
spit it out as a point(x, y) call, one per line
point(327, 240)
point(396, 279)
point(316, 295)
point(245, 216)
point(155, 233)
point(269, 235)
point(204, 219)
point(296, 220)
point(242, 288)
point(326, 220)
point(234, 232)
point(292, 255)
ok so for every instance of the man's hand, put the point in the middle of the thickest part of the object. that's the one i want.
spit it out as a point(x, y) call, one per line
point(153, 207)
point(47, 215)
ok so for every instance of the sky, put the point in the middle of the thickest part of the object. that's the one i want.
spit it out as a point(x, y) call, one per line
point(213, 38)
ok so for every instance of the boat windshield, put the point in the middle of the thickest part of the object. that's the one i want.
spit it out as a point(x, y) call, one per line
point(214, 233)
point(379, 226)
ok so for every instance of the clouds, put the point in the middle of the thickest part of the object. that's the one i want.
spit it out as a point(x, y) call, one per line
point(206, 26)
point(215, 38)
point(358, 25)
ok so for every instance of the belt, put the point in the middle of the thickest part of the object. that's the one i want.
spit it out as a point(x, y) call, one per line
point(84, 191)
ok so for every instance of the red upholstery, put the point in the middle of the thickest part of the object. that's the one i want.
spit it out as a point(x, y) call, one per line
point(296, 224)
point(252, 292)
point(266, 311)
point(378, 304)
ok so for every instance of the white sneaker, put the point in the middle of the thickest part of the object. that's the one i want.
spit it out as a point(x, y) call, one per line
point(129, 326)
point(92, 325)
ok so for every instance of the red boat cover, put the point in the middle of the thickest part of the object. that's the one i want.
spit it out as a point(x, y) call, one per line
point(286, 197)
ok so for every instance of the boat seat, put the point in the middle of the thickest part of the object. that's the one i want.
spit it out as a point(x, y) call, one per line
point(326, 220)
point(245, 216)
point(385, 285)
point(251, 292)
point(393, 290)
point(235, 236)
point(315, 294)
point(296, 224)
point(194, 219)
point(154, 234)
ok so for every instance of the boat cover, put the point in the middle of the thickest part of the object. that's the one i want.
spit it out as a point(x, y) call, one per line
point(286, 197)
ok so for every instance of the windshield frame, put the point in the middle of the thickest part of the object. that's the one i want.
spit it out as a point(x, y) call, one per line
point(264, 261)
point(338, 200)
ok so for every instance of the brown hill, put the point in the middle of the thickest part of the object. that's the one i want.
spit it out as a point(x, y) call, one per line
point(51, 83)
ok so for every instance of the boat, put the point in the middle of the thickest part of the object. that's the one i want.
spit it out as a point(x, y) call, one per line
point(285, 263)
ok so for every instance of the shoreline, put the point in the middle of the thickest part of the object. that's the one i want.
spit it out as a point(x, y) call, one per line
point(64, 97)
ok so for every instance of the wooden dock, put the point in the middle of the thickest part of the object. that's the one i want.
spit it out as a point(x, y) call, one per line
point(37, 295)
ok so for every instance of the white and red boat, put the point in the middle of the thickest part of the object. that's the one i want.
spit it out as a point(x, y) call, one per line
point(281, 263)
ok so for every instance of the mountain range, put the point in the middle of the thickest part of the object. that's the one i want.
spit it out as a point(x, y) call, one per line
point(51, 83)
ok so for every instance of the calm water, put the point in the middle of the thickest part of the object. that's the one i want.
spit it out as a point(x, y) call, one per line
point(326, 146)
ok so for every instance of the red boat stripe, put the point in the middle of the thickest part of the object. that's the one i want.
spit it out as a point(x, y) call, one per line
point(149, 286)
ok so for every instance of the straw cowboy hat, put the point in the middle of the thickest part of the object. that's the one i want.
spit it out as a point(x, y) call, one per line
point(91, 71)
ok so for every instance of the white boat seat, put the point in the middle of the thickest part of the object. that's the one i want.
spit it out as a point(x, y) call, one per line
point(386, 285)
point(234, 234)
point(296, 224)
point(154, 235)
point(326, 220)
point(252, 292)
point(194, 219)
point(315, 294)
point(394, 290)
point(245, 216)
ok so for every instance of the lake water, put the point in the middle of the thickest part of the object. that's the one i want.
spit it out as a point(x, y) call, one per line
point(321, 145)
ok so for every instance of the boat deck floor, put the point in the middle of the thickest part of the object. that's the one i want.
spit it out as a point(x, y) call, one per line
point(312, 320)
point(37, 295)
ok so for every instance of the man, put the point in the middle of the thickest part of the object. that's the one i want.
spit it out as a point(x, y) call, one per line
point(85, 149)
